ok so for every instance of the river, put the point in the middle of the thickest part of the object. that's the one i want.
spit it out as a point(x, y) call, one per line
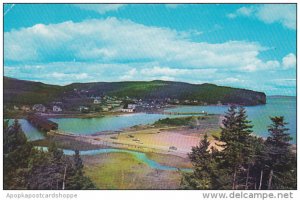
point(138, 155)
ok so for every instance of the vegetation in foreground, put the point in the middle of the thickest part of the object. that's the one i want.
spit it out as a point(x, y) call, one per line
point(245, 162)
point(26, 167)
point(125, 171)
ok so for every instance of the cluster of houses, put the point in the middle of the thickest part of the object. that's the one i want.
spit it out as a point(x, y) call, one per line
point(84, 103)
point(39, 108)
point(130, 108)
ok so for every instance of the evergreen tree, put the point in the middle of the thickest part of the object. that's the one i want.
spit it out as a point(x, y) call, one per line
point(26, 167)
point(203, 164)
point(78, 161)
point(75, 175)
point(255, 171)
point(244, 161)
point(13, 137)
point(16, 153)
point(47, 169)
point(279, 156)
point(235, 139)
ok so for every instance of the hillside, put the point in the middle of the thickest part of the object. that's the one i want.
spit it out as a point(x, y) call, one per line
point(28, 92)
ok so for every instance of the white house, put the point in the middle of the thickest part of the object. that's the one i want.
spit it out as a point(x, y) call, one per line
point(39, 108)
point(97, 101)
point(83, 108)
point(129, 110)
point(105, 109)
point(131, 106)
point(25, 108)
point(57, 109)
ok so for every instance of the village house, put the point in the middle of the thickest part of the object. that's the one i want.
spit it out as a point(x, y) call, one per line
point(25, 108)
point(57, 109)
point(39, 108)
point(129, 110)
point(83, 108)
point(97, 101)
point(131, 106)
point(113, 105)
point(105, 108)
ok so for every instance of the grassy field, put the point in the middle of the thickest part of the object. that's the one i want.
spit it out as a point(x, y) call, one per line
point(170, 160)
point(124, 171)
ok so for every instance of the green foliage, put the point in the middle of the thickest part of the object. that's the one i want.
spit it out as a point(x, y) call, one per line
point(16, 154)
point(76, 179)
point(29, 93)
point(18, 92)
point(204, 168)
point(235, 137)
point(137, 89)
point(26, 167)
point(14, 137)
point(279, 160)
point(179, 121)
point(245, 161)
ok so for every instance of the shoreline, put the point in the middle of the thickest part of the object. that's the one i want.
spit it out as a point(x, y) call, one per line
point(21, 114)
point(143, 138)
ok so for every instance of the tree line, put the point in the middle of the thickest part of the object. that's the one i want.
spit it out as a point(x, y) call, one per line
point(27, 167)
point(242, 160)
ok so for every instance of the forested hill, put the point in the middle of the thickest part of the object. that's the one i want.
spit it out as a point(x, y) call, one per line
point(29, 92)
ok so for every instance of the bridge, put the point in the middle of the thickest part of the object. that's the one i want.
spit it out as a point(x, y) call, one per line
point(42, 123)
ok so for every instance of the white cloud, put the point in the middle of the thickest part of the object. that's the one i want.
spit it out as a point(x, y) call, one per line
point(243, 11)
point(231, 15)
point(258, 65)
point(59, 75)
point(270, 13)
point(279, 13)
point(65, 72)
point(285, 82)
point(246, 11)
point(100, 8)
point(113, 40)
point(289, 61)
point(167, 71)
point(230, 80)
point(131, 74)
point(164, 78)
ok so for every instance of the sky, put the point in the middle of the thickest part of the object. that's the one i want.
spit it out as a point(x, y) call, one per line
point(250, 46)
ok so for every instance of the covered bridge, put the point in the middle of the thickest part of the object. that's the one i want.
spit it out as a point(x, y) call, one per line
point(42, 123)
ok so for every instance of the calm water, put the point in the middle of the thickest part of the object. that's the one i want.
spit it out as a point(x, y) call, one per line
point(31, 132)
point(138, 155)
point(107, 123)
point(259, 115)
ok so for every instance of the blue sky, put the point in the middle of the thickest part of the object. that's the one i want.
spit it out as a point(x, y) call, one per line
point(249, 46)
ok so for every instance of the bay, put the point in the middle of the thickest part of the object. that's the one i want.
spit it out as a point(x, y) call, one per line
point(259, 115)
